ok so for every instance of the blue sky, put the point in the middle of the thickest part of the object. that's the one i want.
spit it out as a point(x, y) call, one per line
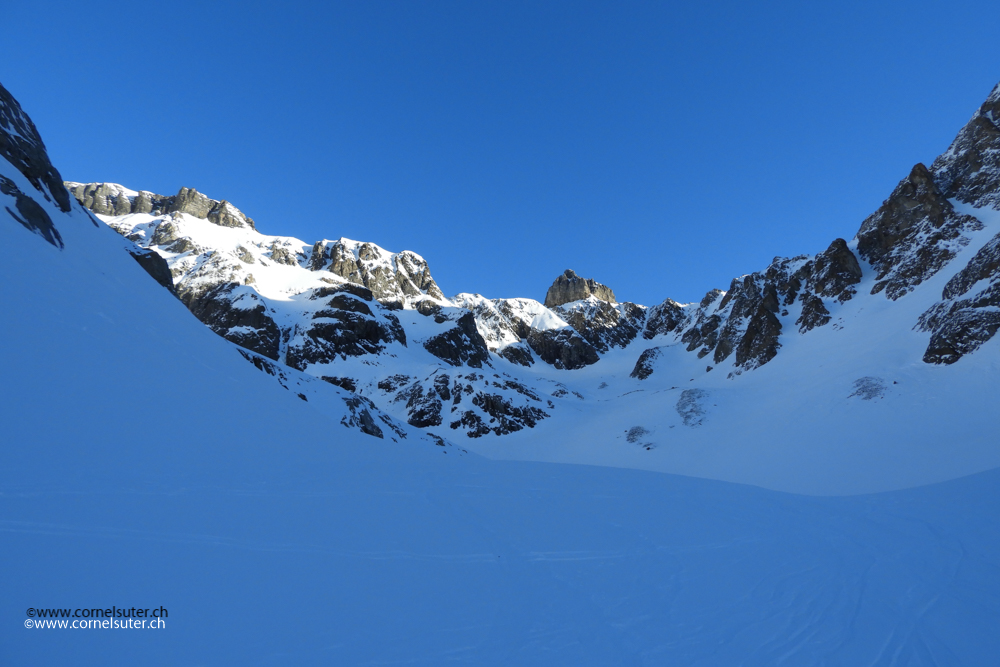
point(660, 148)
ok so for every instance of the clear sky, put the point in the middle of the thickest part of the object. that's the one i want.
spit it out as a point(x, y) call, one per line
point(661, 148)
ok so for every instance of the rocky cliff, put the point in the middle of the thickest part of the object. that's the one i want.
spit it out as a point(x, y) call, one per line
point(571, 287)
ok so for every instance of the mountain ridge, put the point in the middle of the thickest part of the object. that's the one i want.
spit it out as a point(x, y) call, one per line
point(909, 238)
point(375, 323)
point(151, 462)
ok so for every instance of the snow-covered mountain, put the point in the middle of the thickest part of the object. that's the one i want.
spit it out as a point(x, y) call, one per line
point(147, 462)
point(890, 319)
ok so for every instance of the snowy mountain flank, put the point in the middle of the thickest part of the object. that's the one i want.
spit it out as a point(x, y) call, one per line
point(922, 272)
point(22, 147)
point(291, 492)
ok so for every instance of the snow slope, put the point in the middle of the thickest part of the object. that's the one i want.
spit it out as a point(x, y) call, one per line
point(146, 464)
point(799, 422)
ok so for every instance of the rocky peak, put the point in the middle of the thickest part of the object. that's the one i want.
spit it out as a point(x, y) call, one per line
point(834, 272)
point(913, 234)
point(969, 170)
point(571, 287)
point(915, 199)
point(666, 318)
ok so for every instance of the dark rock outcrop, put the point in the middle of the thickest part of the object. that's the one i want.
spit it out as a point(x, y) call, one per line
point(103, 198)
point(502, 414)
point(154, 265)
point(394, 382)
point(644, 366)
point(349, 323)
point(602, 324)
point(423, 405)
point(663, 319)
point(964, 320)
point(519, 354)
point(339, 334)
point(21, 145)
point(474, 403)
point(360, 417)
point(759, 344)
point(225, 214)
point(985, 265)
point(239, 315)
point(913, 235)
point(571, 287)
point(814, 313)
point(508, 418)
point(834, 272)
point(346, 383)
point(281, 255)
point(962, 330)
point(562, 348)
point(745, 320)
point(751, 328)
point(462, 344)
point(429, 308)
point(472, 423)
point(501, 319)
point(704, 333)
point(190, 201)
point(30, 213)
point(969, 170)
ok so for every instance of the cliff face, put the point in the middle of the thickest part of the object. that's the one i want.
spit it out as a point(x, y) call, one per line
point(112, 199)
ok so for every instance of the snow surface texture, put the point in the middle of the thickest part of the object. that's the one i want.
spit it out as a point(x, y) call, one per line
point(148, 464)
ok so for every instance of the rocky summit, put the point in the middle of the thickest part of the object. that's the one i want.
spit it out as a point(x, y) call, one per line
point(571, 287)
